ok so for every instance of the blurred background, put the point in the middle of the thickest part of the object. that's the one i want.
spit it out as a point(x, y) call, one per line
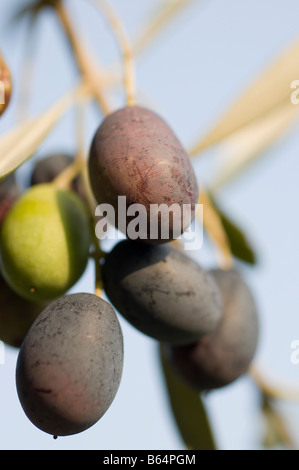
point(191, 72)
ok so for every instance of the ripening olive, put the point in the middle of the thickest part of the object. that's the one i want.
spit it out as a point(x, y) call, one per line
point(161, 291)
point(134, 154)
point(45, 242)
point(70, 364)
point(223, 356)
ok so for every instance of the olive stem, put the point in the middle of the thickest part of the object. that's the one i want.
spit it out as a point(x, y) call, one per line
point(125, 46)
point(93, 76)
point(65, 178)
point(84, 61)
point(98, 253)
point(82, 163)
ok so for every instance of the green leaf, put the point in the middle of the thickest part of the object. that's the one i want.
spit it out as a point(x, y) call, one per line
point(188, 410)
point(239, 244)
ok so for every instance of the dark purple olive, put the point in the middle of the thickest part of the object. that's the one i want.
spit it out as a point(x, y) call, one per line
point(161, 291)
point(226, 354)
point(70, 364)
point(135, 154)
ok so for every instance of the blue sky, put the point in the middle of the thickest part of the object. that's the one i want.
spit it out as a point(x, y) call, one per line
point(190, 74)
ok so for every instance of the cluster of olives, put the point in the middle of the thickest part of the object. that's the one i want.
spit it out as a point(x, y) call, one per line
point(70, 360)
point(206, 320)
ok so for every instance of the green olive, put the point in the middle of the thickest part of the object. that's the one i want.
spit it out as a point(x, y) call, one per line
point(45, 242)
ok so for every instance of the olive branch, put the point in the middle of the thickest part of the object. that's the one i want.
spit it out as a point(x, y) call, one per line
point(252, 124)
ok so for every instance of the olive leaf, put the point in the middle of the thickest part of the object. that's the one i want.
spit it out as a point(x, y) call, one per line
point(264, 95)
point(213, 226)
point(251, 142)
point(19, 145)
point(239, 244)
point(188, 410)
point(276, 432)
point(165, 12)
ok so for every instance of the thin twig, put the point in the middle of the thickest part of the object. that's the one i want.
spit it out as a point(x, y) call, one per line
point(98, 253)
point(65, 178)
point(84, 60)
point(125, 47)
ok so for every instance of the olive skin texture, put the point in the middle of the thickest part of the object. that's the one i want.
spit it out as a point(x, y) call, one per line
point(161, 291)
point(135, 154)
point(16, 315)
point(225, 355)
point(70, 364)
point(45, 241)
